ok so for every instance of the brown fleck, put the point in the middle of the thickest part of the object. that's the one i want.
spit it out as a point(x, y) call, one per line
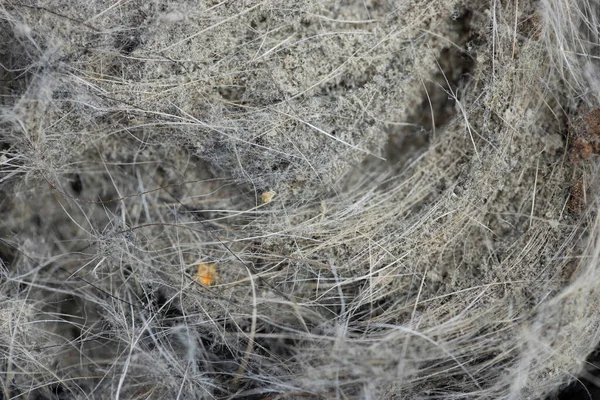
point(570, 269)
point(532, 26)
point(584, 133)
point(582, 149)
point(577, 197)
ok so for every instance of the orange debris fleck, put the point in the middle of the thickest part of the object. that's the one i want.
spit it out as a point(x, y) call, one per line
point(206, 274)
point(268, 196)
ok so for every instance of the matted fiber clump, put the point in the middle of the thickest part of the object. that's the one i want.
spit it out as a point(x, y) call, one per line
point(298, 199)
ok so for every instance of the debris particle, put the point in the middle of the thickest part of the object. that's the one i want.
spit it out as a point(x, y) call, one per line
point(206, 274)
point(585, 135)
point(577, 197)
point(268, 196)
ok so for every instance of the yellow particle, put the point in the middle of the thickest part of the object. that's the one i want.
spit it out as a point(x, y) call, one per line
point(268, 196)
point(206, 274)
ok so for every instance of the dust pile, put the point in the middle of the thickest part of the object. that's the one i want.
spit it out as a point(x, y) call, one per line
point(297, 199)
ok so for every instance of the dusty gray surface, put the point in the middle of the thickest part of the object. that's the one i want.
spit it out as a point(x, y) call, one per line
point(431, 236)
